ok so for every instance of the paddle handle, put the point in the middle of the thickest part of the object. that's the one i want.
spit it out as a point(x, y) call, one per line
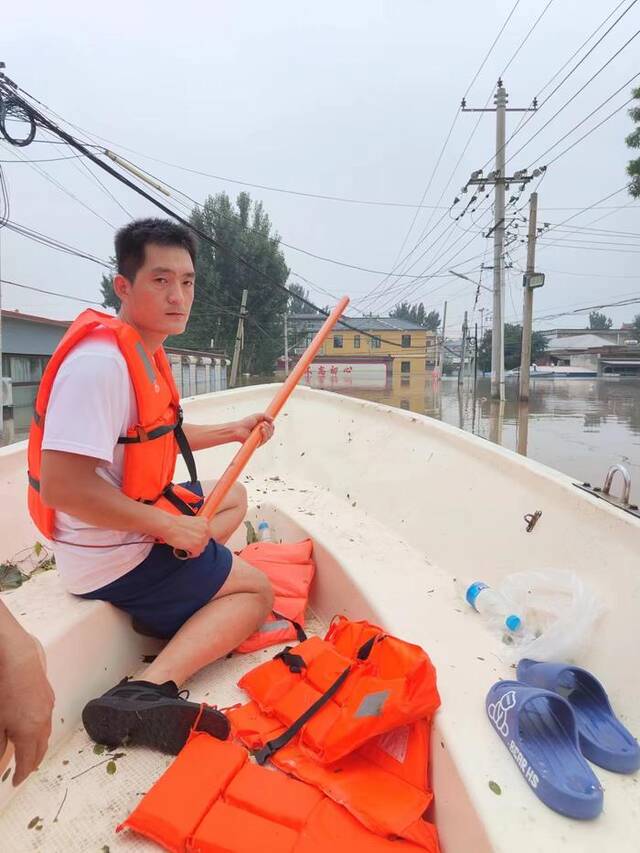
point(239, 461)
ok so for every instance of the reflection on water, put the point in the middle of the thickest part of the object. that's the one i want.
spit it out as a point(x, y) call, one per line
point(579, 426)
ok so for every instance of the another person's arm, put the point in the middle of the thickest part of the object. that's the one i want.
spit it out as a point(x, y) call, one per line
point(26, 697)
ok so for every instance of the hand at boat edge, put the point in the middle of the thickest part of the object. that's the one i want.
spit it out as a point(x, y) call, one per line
point(27, 703)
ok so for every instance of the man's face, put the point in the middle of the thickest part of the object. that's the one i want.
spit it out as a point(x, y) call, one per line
point(159, 300)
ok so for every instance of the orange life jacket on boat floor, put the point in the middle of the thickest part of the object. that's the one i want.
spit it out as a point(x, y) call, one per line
point(213, 799)
point(290, 568)
point(351, 715)
point(151, 445)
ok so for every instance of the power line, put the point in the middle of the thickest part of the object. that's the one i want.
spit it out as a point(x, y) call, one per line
point(586, 118)
point(426, 232)
point(50, 292)
point(575, 95)
point(63, 189)
point(528, 117)
point(526, 38)
point(49, 124)
point(52, 243)
point(46, 160)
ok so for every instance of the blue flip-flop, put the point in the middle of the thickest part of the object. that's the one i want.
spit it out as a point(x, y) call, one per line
point(538, 728)
point(603, 738)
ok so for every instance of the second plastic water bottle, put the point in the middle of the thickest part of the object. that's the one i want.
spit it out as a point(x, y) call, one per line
point(490, 603)
point(264, 532)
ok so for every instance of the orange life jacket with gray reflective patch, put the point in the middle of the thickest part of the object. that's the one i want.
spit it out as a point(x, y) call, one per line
point(365, 743)
point(151, 445)
point(290, 569)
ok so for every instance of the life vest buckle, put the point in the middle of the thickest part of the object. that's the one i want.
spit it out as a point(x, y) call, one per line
point(295, 663)
point(142, 434)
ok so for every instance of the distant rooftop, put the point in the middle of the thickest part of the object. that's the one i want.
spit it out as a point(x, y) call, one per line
point(591, 340)
point(33, 318)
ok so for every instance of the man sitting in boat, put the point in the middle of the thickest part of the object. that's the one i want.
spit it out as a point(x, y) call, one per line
point(102, 449)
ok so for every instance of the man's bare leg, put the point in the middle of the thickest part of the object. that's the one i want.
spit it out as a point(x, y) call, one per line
point(231, 513)
point(233, 614)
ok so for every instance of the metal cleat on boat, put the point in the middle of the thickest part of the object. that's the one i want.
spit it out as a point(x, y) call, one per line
point(605, 492)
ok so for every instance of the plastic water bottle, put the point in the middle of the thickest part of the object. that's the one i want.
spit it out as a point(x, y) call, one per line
point(491, 604)
point(264, 532)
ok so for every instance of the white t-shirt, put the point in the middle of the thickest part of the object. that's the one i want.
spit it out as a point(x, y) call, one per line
point(92, 404)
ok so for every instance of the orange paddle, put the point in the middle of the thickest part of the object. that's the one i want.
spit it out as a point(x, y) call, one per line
point(237, 464)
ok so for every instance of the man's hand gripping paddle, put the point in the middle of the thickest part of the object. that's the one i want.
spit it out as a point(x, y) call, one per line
point(237, 464)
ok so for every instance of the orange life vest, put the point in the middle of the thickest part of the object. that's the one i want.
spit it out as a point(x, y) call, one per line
point(151, 445)
point(290, 568)
point(213, 798)
point(364, 743)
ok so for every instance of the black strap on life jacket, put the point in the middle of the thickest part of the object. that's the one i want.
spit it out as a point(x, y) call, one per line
point(297, 627)
point(158, 432)
point(296, 663)
point(272, 746)
point(176, 501)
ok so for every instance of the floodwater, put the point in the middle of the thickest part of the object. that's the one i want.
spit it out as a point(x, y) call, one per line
point(578, 426)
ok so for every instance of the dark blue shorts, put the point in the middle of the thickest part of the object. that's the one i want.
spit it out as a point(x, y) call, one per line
point(162, 592)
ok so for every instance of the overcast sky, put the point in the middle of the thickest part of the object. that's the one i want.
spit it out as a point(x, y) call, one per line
point(351, 99)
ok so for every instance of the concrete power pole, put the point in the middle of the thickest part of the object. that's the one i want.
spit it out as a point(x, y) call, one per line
point(500, 181)
point(497, 339)
point(531, 280)
point(286, 346)
point(463, 351)
point(441, 354)
point(235, 364)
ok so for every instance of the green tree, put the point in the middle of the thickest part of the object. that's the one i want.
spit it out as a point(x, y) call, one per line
point(109, 299)
point(244, 230)
point(633, 141)
point(512, 347)
point(296, 304)
point(597, 320)
point(417, 314)
point(635, 325)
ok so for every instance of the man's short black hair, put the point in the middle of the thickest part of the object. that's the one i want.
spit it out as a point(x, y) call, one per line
point(132, 239)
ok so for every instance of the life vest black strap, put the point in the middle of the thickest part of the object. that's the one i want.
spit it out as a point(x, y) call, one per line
point(272, 746)
point(158, 432)
point(300, 634)
point(143, 435)
point(296, 663)
point(185, 449)
point(177, 502)
point(35, 484)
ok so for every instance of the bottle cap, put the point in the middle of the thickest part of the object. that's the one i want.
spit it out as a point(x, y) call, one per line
point(513, 622)
point(474, 591)
point(263, 525)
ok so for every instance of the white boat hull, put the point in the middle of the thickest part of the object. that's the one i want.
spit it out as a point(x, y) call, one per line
point(398, 505)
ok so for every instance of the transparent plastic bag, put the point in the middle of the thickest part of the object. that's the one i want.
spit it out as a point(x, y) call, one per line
point(558, 610)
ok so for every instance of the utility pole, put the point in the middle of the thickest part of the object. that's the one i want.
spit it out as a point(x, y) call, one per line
point(527, 309)
point(286, 346)
point(235, 364)
point(481, 324)
point(500, 181)
point(463, 351)
point(441, 353)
